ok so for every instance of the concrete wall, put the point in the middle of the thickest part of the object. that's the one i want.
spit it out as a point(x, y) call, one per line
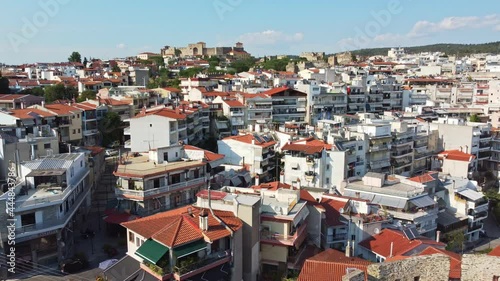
point(250, 217)
point(237, 256)
point(274, 253)
point(355, 275)
point(150, 132)
point(428, 268)
point(480, 267)
point(455, 168)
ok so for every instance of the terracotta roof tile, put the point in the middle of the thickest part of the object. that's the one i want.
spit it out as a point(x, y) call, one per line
point(456, 155)
point(279, 90)
point(332, 211)
point(381, 243)
point(495, 252)
point(248, 138)
point(234, 103)
point(275, 185)
point(425, 178)
point(30, 113)
point(330, 265)
point(165, 112)
point(308, 146)
point(180, 226)
point(62, 109)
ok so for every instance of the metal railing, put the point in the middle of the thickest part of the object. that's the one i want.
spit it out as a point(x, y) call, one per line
point(159, 190)
point(269, 236)
point(209, 259)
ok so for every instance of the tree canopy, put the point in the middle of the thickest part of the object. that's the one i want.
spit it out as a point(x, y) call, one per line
point(60, 92)
point(276, 64)
point(474, 118)
point(115, 68)
point(37, 91)
point(88, 94)
point(4, 85)
point(75, 57)
point(111, 128)
point(243, 64)
point(190, 72)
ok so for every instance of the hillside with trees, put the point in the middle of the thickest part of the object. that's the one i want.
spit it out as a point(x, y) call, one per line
point(449, 49)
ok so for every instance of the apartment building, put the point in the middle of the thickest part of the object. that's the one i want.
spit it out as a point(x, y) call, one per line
point(313, 163)
point(16, 145)
point(51, 202)
point(68, 121)
point(288, 104)
point(162, 179)
point(253, 151)
point(234, 110)
point(405, 200)
point(210, 247)
point(90, 128)
point(259, 108)
point(470, 208)
point(14, 101)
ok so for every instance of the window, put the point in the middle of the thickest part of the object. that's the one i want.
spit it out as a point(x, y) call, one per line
point(131, 236)
point(176, 154)
point(328, 167)
point(327, 180)
point(165, 156)
point(416, 278)
point(46, 145)
point(137, 242)
point(35, 147)
point(74, 131)
point(78, 116)
point(81, 163)
point(156, 183)
point(78, 130)
point(72, 171)
point(360, 147)
point(28, 219)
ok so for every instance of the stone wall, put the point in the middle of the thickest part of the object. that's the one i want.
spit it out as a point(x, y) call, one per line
point(480, 267)
point(355, 275)
point(429, 268)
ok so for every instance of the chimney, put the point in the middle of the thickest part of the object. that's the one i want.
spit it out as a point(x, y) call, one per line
point(257, 181)
point(466, 149)
point(461, 148)
point(348, 249)
point(203, 217)
point(438, 236)
point(392, 247)
point(43, 104)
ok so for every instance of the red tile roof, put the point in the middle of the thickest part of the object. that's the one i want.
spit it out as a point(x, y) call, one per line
point(171, 89)
point(62, 109)
point(332, 211)
point(381, 243)
point(180, 226)
point(165, 112)
point(306, 196)
point(456, 155)
point(11, 97)
point(234, 103)
point(425, 178)
point(308, 146)
point(275, 185)
point(330, 265)
point(455, 260)
point(209, 155)
point(248, 138)
point(30, 113)
point(279, 90)
point(94, 149)
point(114, 102)
point(495, 252)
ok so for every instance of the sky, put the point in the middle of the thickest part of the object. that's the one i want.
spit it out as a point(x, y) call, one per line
point(49, 30)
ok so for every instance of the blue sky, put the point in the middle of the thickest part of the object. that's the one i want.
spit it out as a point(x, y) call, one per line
point(49, 30)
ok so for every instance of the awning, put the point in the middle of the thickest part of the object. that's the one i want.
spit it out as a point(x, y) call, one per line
point(471, 194)
point(125, 269)
point(190, 248)
point(48, 173)
point(389, 201)
point(423, 201)
point(151, 251)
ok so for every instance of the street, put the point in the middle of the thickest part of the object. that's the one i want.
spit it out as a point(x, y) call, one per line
point(492, 229)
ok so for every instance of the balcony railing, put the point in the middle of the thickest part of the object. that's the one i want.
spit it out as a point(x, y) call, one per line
point(411, 216)
point(475, 227)
point(336, 238)
point(267, 236)
point(160, 190)
point(204, 264)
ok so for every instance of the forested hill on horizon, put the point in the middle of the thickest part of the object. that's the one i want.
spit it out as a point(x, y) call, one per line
point(449, 49)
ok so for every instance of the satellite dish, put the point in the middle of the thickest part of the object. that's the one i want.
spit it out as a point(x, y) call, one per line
point(376, 230)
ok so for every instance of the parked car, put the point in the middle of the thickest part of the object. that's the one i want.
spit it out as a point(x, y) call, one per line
point(114, 144)
point(111, 152)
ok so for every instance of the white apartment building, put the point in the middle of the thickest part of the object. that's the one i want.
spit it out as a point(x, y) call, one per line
point(53, 196)
point(257, 152)
point(313, 163)
point(161, 179)
point(259, 108)
point(288, 104)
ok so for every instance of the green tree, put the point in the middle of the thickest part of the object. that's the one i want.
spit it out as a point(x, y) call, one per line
point(243, 64)
point(37, 91)
point(177, 52)
point(213, 61)
point(111, 128)
point(190, 72)
point(276, 64)
point(455, 240)
point(115, 68)
point(75, 57)
point(4, 85)
point(85, 61)
point(474, 118)
point(88, 94)
point(60, 92)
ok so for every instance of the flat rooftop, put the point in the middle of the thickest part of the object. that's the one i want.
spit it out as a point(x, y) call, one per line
point(142, 166)
point(396, 189)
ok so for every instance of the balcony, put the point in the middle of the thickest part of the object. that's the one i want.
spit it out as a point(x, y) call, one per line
point(378, 148)
point(478, 207)
point(477, 217)
point(310, 161)
point(127, 144)
point(126, 131)
point(336, 238)
point(399, 154)
point(378, 164)
point(269, 237)
point(204, 264)
point(474, 227)
point(120, 192)
point(309, 176)
point(236, 113)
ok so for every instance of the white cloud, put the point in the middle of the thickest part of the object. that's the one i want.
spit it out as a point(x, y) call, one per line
point(270, 37)
point(424, 28)
point(121, 46)
point(419, 30)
